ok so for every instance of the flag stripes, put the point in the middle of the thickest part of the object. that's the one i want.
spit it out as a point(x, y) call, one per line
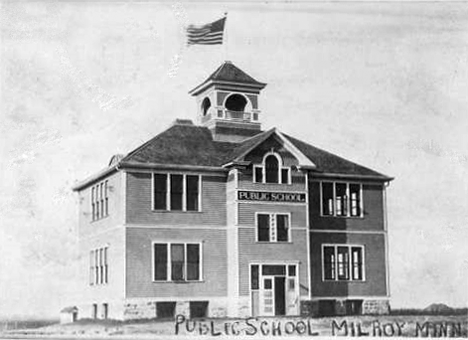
point(209, 34)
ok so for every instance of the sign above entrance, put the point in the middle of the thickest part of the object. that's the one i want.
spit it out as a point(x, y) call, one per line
point(290, 197)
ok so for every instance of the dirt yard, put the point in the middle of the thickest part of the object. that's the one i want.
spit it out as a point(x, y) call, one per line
point(376, 326)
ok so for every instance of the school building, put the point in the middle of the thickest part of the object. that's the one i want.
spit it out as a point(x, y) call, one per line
point(222, 218)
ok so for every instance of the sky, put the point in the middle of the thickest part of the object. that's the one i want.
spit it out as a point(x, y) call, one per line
point(382, 84)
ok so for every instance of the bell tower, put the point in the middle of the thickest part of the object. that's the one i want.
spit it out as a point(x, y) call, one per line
point(228, 104)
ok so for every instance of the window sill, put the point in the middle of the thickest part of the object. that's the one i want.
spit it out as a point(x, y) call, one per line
point(338, 216)
point(99, 219)
point(271, 242)
point(177, 211)
point(346, 281)
point(179, 282)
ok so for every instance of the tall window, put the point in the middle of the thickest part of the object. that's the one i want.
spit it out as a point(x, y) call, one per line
point(177, 261)
point(341, 199)
point(343, 263)
point(99, 201)
point(271, 171)
point(98, 266)
point(272, 227)
point(176, 192)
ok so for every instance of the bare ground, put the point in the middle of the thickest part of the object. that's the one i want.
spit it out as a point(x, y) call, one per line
point(385, 326)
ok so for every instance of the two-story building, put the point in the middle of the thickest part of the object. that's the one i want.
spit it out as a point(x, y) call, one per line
point(224, 219)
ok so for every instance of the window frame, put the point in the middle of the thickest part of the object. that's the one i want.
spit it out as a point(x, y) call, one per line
point(281, 167)
point(275, 214)
point(184, 192)
point(99, 266)
point(99, 200)
point(348, 199)
point(350, 273)
point(169, 262)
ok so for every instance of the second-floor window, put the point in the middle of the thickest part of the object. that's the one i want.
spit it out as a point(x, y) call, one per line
point(98, 266)
point(343, 262)
point(273, 227)
point(272, 171)
point(176, 192)
point(99, 201)
point(341, 199)
point(177, 261)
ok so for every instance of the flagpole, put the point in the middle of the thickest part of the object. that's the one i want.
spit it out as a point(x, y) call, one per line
point(225, 38)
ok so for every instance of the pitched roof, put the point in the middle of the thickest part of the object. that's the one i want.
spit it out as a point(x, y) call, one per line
point(188, 145)
point(230, 73)
point(327, 162)
point(182, 145)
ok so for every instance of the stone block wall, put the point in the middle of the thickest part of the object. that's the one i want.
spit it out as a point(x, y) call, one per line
point(377, 307)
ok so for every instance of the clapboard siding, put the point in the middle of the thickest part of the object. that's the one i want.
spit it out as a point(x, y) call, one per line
point(139, 210)
point(139, 262)
point(251, 251)
point(373, 218)
point(86, 225)
point(375, 268)
point(247, 212)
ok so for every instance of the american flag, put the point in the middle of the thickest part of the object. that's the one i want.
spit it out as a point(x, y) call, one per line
point(209, 34)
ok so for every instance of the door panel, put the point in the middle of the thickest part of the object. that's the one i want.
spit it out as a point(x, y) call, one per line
point(267, 299)
point(280, 302)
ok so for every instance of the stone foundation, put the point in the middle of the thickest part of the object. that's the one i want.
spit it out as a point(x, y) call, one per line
point(377, 307)
point(338, 306)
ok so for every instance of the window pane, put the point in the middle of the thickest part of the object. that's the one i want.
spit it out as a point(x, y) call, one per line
point(176, 192)
point(258, 174)
point(177, 259)
point(160, 191)
point(329, 263)
point(273, 269)
point(285, 176)
point(267, 284)
point(192, 193)
point(193, 262)
point(356, 253)
point(271, 169)
point(341, 199)
point(263, 227)
point(282, 227)
point(254, 277)
point(343, 263)
point(160, 261)
point(355, 199)
point(291, 270)
point(327, 198)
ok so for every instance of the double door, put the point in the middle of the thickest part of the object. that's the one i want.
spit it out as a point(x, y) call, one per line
point(278, 293)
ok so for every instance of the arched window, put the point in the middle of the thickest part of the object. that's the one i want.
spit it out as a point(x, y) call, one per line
point(271, 169)
point(236, 102)
point(206, 104)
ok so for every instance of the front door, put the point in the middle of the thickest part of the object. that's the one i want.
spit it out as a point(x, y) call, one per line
point(267, 297)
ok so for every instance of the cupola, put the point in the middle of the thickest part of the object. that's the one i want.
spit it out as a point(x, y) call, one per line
point(228, 103)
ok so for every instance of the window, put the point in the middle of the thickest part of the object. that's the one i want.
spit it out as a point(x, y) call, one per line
point(343, 263)
point(176, 192)
point(341, 199)
point(272, 227)
point(177, 261)
point(272, 171)
point(99, 201)
point(98, 266)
